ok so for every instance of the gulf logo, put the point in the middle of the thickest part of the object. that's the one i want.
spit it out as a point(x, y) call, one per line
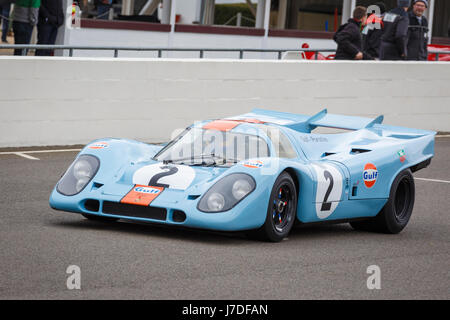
point(147, 190)
point(370, 175)
point(98, 145)
point(253, 164)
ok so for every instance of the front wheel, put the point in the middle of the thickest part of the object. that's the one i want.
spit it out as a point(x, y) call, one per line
point(281, 211)
point(395, 215)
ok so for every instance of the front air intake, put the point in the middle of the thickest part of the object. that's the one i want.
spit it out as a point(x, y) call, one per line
point(131, 210)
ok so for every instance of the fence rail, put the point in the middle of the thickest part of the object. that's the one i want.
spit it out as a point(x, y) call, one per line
point(24, 49)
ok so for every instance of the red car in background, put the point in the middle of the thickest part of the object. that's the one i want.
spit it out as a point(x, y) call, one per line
point(437, 47)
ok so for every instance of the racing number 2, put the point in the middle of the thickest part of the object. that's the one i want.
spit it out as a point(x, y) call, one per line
point(326, 206)
point(154, 180)
point(329, 189)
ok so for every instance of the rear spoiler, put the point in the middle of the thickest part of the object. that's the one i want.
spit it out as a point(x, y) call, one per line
point(324, 119)
point(306, 124)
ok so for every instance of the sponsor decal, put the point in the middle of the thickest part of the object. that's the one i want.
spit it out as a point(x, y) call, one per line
point(254, 164)
point(98, 145)
point(142, 195)
point(307, 139)
point(148, 190)
point(402, 155)
point(370, 175)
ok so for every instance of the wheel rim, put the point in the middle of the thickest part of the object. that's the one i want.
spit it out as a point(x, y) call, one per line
point(402, 200)
point(282, 207)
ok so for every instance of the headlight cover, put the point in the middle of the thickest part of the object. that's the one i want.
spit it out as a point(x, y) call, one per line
point(79, 174)
point(227, 193)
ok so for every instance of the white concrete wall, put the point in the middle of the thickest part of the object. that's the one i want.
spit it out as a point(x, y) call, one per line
point(113, 37)
point(62, 101)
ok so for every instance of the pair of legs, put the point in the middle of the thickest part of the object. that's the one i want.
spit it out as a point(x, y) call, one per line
point(22, 34)
point(4, 12)
point(46, 35)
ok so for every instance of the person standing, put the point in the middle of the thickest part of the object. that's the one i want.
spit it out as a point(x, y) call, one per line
point(51, 17)
point(26, 13)
point(418, 32)
point(4, 12)
point(348, 37)
point(103, 7)
point(373, 31)
point(395, 35)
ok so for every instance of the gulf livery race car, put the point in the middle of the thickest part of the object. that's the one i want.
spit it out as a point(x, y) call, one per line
point(259, 173)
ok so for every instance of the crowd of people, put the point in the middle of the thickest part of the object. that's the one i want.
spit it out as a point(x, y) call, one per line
point(46, 15)
point(400, 34)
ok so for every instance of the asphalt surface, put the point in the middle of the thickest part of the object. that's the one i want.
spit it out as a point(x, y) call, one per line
point(137, 261)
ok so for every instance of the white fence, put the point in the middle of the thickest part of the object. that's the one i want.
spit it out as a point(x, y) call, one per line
point(63, 101)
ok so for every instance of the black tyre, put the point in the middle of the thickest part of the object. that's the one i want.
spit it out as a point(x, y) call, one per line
point(98, 218)
point(281, 211)
point(395, 215)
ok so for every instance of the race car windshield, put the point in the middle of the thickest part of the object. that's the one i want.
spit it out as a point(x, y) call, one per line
point(197, 146)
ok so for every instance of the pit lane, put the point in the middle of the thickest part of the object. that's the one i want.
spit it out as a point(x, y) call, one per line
point(140, 261)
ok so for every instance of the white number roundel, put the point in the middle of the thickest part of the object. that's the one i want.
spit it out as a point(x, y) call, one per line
point(329, 189)
point(167, 176)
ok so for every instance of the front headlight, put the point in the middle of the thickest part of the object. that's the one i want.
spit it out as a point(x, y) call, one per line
point(79, 174)
point(226, 193)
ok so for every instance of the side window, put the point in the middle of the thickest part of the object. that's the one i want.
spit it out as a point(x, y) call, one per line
point(281, 143)
point(286, 150)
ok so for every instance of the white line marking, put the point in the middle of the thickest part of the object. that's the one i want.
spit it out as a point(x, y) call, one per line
point(41, 151)
point(432, 180)
point(25, 156)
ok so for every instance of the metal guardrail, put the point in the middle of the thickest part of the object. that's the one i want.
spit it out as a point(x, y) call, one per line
point(201, 51)
point(116, 50)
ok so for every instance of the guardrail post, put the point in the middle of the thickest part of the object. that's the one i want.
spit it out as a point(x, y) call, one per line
point(160, 53)
point(241, 54)
point(201, 54)
point(316, 55)
point(24, 52)
point(70, 52)
point(116, 53)
point(279, 55)
point(437, 56)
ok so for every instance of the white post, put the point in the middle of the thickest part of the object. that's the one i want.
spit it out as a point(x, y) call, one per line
point(239, 19)
point(173, 14)
point(166, 10)
point(346, 8)
point(127, 7)
point(267, 18)
point(352, 7)
point(282, 7)
point(208, 12)
point(266, 26)
point(430, 15)
point(63, 36)
point(260, 14)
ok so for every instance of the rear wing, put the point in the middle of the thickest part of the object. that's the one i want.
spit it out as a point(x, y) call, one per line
point(306, 124)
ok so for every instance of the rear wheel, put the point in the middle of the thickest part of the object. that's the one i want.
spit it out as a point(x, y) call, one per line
point(281, 211)
point(395, 215)
point(98, 218)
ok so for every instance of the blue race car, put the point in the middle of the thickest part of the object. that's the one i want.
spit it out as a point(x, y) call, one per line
point(258, 172)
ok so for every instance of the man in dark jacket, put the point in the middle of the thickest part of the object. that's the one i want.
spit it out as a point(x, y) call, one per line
point(395, 35)
point(51, 17)
point(373, 31)
point(418, 32)
point(348, 37)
